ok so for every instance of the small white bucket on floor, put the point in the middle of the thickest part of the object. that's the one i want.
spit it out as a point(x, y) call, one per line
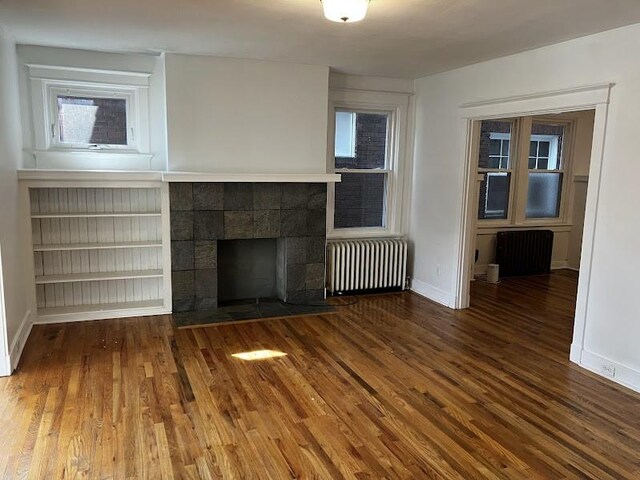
point(493, 273)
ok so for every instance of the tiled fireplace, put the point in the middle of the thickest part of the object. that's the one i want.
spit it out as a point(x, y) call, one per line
point(204, 215)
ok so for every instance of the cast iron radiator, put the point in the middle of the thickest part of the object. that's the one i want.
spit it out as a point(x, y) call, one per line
point(525, 252)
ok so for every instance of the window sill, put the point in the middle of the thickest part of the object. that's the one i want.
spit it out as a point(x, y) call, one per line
point(92, 160)
point(361, 234)
point(495, 228)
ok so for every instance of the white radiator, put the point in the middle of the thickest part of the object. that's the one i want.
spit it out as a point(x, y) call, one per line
point(366, 264)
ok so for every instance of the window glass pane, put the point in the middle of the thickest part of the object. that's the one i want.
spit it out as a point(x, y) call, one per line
point(543, 149)
point(495, 147)
point(548, 139)
point(345, 134)
point(360, 200)
point(495, 138)
point(505, 149)
point(370, 142)
point(543, 197)
point(533, 149)
point(494, 162)
point(532, 163)
point(101, 121)
point(494, 196)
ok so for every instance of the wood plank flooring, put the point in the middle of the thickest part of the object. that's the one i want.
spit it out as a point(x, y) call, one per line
point(392, 387)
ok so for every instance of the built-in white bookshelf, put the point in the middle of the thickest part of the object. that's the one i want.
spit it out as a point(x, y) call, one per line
point(98, 251)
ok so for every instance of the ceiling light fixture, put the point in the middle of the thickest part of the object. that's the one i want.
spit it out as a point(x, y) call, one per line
point(345, 11)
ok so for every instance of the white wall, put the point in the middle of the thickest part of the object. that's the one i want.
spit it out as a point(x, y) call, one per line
point(126, 62)
point(613, 322)
point(374, 84)
point(12, 282)
point(244, 116)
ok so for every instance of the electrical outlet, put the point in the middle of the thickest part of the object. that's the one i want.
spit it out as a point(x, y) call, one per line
point(608, 369)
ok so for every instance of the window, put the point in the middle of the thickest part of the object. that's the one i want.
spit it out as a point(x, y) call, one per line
point(545, 173)
point(93, 119)
point(520, 186)
point(84, 118)
point(366, 146)
point(360, 197)
point(494, 162)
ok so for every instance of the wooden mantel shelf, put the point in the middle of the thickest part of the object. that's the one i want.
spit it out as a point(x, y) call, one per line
point(146, 176)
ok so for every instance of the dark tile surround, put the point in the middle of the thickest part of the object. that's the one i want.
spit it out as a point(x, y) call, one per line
point(203, 213)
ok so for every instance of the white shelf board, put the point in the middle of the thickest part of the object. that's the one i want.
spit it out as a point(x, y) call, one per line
point(41, 174)
point(102, 310)
point(54, 247)
point(98, 276)
point(96, 215)
point(250, 177)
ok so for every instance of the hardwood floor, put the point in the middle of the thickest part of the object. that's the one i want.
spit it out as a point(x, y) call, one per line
point(392, 387)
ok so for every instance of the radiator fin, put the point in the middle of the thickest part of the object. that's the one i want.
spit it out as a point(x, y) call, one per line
point(525, 252)
point(357, 265)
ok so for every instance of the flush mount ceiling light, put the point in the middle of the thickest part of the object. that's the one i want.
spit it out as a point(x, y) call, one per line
point(345, 11)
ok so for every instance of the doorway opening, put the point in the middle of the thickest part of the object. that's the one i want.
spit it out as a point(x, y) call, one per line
point(532, 174)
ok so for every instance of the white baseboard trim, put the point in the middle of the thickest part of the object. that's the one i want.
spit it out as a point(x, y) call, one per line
point(17, 346)
point(5, 365)
point(433, 293)
point(101, 315)
point(555, 265)
point(621, 374)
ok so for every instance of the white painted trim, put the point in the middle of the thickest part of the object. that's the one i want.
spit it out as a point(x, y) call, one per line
point(5, 366)
point(481, 269)
point(624, 375)
point(397, 106)
point(564, 100)
point(20, 340)
point(94, 75)
point(5, 359)
point(88, 175)
point(432, 293)
point(165, 207)
point(102, 160)
point(482, 229)
point(580, 98)
point(361, 234)
point(250, 177)
point(101, 315)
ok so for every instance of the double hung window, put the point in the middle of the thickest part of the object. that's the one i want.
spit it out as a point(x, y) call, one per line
point(522, 166)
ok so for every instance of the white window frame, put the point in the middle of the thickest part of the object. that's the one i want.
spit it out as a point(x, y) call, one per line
point(396, 105)
point(502, 137)
point(553, 150)
point(47, 82)
point(53, 117)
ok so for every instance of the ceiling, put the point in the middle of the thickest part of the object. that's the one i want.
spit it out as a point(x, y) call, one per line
point(399, 38)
